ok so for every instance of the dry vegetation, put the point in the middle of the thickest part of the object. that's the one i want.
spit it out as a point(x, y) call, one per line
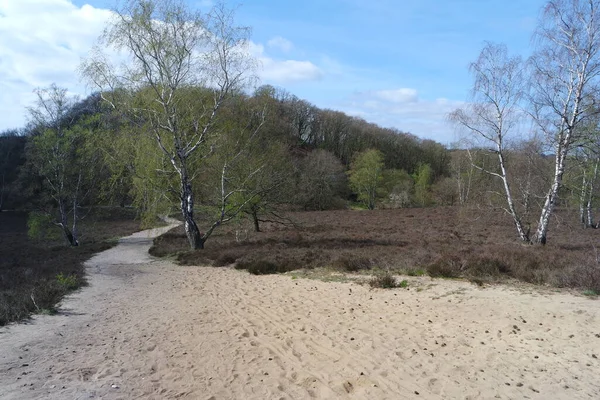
point(36, 274)
point(480, 245)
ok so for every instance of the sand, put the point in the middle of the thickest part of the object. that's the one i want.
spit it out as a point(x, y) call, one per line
point(148, 329)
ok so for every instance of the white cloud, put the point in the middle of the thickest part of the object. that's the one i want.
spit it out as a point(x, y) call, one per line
point(283, 71)
point(42, 42)
point(404, 110)
point(281, 44)
point(403, 95)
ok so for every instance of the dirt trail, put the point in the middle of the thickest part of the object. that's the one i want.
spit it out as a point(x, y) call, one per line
point(147, 329)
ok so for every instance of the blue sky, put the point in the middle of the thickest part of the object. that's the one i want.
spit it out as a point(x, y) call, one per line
point(400, 63)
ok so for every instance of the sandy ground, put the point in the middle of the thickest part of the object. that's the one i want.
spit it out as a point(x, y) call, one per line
point(147, 329)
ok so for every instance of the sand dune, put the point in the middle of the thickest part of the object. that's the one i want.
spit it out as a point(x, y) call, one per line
point(147, 329)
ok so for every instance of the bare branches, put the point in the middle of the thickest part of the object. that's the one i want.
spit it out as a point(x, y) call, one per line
point(565, 67)
point(499, 85)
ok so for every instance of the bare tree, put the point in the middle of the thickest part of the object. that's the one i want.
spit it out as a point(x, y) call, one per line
point(171, 50)
point(565, 70)
point(494, 111)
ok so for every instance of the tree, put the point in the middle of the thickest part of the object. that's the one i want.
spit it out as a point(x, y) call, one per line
point(322, 181)
point(565, 75)
point(366, 176)
point(397, 185)
point(59, 153)
point(173, 50)
point(12, 157)
point(423, 179)
point(494, 111)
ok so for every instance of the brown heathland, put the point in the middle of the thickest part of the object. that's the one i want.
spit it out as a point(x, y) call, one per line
point(29, 267)
point(479, 244)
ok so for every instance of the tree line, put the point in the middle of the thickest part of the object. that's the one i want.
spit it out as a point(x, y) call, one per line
point(177, 126)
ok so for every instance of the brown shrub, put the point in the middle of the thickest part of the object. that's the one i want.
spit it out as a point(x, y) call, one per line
point(264, 267)
point(225, 259)
point(384, 281)
point(348, 263)
point(446, 267)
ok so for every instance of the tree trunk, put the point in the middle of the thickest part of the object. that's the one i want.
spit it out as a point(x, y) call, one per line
point(590, 198)
point(524, 236)
point(192, 232)
point(69, 237)
point(256, 222)
point(552, 196)
point(582, 200)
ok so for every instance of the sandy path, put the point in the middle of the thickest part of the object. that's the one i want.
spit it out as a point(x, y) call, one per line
point(153, 330)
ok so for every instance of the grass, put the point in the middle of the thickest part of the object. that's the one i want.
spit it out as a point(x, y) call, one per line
point(35, 275)
point(476, 244)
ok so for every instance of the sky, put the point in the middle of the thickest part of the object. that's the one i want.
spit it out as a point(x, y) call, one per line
point(398, 63)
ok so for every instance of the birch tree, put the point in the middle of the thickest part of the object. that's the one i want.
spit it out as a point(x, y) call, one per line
point(494, 111)
point(565, 72)
point(171, 49)
point(60, 155)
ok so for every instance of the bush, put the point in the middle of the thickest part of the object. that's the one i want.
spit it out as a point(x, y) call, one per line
point(416, 272)
point(264, 267)
point(446, 267)
point(586, 277)
point(485, 266)
point(69, 282)
point(352, 264)
point(385, 281)
point(225, 259)
point(47, 294)
point(14, 306)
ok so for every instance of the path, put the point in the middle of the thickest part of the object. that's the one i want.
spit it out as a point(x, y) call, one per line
point(147, 329)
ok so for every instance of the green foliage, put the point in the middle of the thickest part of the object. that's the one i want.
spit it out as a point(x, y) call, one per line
point(41, 226)
point(69, 282)
point(423, 178)
point(398, 187)
point(366, 176)
point(62, 155)
point(416, 272)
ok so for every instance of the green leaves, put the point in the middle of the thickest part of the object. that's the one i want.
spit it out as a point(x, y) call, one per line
point(366, 176)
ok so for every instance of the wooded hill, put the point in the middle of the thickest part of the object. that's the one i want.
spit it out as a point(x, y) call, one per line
point(296, 154)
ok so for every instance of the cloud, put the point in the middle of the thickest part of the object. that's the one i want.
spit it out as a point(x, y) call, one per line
point(283, 71)
point(42, 42)
point(404, 110)
point(403, 95)
point(279, 43)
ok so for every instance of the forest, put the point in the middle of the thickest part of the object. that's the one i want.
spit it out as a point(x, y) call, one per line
point(184, 130)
